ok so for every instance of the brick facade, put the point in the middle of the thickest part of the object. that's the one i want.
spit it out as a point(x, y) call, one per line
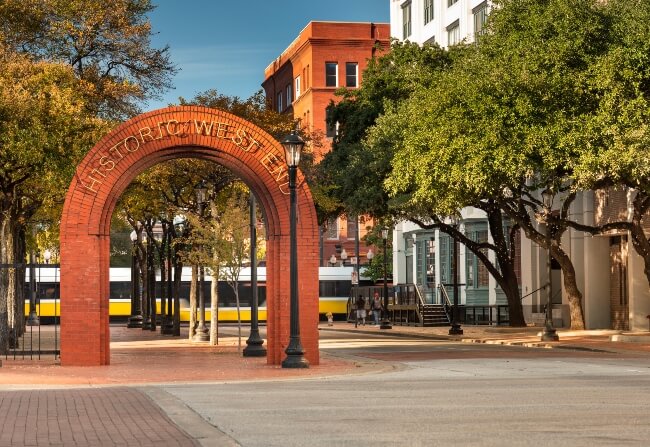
point(140, 143)
point(305, 59)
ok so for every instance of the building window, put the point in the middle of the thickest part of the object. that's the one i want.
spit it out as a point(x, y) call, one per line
point(331, 74)
point(332, 228)
point(297, 82)
point(451, 2)
point(288, 90)
point(406, 20)
point(351, 74)
point(353, 228)
point(428, 11)
point(279, 103)
point(331, 129)
point(446, 262)
point(480, 17)
point(426, 258)
point(453, 33)
point(477, 275)
point(430, 254)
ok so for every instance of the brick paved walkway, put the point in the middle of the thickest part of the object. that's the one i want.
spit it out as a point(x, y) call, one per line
point(85, 417)
point(142, 357)
point(44, 404)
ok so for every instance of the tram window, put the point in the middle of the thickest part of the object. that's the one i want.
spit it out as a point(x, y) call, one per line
point(334, 288)
point(120, 289)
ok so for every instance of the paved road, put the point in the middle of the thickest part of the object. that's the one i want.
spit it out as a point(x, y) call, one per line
point(405, 392)
point(427, 393)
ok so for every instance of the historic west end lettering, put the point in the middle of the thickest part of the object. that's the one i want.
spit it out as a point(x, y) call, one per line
point(105, 163)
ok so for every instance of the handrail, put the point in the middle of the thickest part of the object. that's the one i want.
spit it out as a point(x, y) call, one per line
point(446, 303)
point(418, 288)
point(420, 305)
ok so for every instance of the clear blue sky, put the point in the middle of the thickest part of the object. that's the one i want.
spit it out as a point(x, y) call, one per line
point(226, 45)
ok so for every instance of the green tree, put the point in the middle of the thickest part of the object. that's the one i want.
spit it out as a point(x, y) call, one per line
point(621, 80)
point(43, 133)
point(528, 109)
point(64, 67)
point(107, 44)
point(351, 174)
point(348, 177)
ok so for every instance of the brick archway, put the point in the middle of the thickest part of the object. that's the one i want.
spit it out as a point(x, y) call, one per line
point(146, 140)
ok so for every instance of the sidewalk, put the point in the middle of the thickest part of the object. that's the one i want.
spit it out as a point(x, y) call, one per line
point(46, 405)
point(145, 357)
point(593, 340)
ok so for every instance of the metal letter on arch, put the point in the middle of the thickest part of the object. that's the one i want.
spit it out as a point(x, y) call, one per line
point(140, 143)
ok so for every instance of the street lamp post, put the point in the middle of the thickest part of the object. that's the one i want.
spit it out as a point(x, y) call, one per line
point(201, 333)
point(455, 324)
point(344, 256)
point(549, 333)
point(179, 226)
point(385, 322)
point(32, 319)
point(254, 343)
point(293, 145)
point(370, 254)
point(167, 327)
point(135, 320)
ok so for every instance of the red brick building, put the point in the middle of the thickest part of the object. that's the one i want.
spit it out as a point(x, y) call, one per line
point(303, 80)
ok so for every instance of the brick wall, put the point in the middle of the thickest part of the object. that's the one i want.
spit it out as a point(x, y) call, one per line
point(133, 147)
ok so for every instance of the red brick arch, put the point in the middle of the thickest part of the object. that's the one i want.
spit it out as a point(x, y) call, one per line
point(140, 143)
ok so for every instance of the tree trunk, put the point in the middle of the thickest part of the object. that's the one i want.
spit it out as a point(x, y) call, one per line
point(17, 320)
point(12, 281)
point(571, 286)
point(193, 295)
point(574, 296)
point(238, 316)
point(178, 271)
point(151, 285)
point(6, 272)
point(214, 306)
point(640, 240)
point(505, 257)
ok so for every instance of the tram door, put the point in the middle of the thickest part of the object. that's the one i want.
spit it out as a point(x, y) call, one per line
point(619, 304)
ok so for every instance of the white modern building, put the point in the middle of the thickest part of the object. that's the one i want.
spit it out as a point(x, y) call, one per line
point(445, 22)
point(610, 273)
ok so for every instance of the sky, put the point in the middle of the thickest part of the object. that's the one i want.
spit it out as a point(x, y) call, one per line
point(227, 44)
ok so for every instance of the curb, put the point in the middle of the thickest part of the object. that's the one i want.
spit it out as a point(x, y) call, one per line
point(390, 333)
point(539, 345)
point(487, 341)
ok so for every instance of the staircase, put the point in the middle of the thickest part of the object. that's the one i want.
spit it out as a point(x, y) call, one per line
point(434, 315)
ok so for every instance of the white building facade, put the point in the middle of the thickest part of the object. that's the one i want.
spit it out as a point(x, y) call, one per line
point(445, 22)
point(610, 273)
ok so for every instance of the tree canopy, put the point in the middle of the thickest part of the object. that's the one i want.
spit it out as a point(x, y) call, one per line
point(107, 44)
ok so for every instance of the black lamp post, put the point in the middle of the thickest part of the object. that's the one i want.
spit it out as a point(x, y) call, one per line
point(32, 319)
point(135, 320)
point(201, 333)
point(549, 333)
point(293, 145)
point(167, 327)
point(254, 343)
point(180, 226)
point(385, 322)
point(455, 323)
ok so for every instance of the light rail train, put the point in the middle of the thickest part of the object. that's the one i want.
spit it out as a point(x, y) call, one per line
point(334, 289)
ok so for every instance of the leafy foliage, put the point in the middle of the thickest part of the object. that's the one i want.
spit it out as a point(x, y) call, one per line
point(107, 44)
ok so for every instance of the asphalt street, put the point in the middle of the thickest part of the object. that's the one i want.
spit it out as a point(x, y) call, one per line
point(428, 393)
